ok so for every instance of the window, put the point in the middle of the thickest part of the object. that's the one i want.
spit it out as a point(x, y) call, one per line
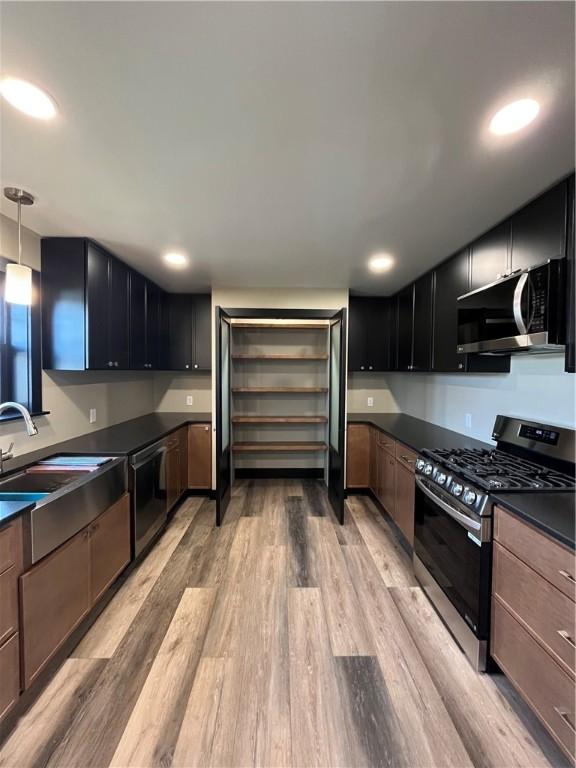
point(20, 355)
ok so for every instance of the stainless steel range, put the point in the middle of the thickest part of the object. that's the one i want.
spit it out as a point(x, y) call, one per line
point(453, 517)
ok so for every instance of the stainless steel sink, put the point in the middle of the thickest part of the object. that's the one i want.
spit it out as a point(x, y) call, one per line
point(69, 493)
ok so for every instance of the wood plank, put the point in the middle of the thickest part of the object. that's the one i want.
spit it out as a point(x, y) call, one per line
point(292, 390)
point(424, 729)
point(107, 632)
point(288, 357)
point(152, 730)
point(318, 724)
point(194, 745)
point(280, 447)
point(344, 618)
point(282, 326)
point(392, 560)
point(302, 567)
point(473, 701)
point(46, 722)
point(279, 419)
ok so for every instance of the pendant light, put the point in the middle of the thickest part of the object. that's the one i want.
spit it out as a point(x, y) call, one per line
point(18, 276)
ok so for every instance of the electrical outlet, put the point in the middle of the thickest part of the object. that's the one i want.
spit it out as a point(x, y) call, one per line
point(189, 400)
point(468, 421)
point(92, 415)
point(370, 402)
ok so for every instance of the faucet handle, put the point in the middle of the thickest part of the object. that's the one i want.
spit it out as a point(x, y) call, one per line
point(7, 454)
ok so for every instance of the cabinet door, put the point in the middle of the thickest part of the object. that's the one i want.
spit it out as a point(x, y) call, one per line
point(55, 597)
point(570, 287)
point(358, 456)
point(118, 314)
point(8, 603)
point(373, 461)
point(381, 465)
point(391, 333)
point(97, 327)
point(389, 485)
point(357, 336)
point(200, 456)
point(539, 229)
point(182, 435)
point(138, 353)
point(490, 256)
point(203, 332)
point(405, 327)
point(180, 332)
point(9, 674)
point(452, 280)
point(172, 476)
point(153, 325)
point(404, 501)
point(422, 332)
point(109, 546)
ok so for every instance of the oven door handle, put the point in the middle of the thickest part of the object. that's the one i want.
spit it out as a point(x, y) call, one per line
point(466, 522)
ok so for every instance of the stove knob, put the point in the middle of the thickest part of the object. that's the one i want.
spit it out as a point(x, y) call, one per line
point(420, 464)
point(469, 497)
point(428, 469)
point(457, 489)
point(441, 478)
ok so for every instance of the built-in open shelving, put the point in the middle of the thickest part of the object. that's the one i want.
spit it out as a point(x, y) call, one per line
point(270, 390)
point(282, 326)
point(282, 358)
point(279, 419)
point(279, 447)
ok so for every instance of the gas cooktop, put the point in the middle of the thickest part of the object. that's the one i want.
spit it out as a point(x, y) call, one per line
point(499, 470)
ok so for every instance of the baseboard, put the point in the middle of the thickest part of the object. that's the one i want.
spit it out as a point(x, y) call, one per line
point(267, 473)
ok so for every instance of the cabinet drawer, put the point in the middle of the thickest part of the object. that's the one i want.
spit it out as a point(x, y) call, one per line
point(386, 442)
point(8, 603)
point(541, 681)
point(406, 456)
point(10, 545)
point(548, 558)
point(9, 674)
point(547, 613)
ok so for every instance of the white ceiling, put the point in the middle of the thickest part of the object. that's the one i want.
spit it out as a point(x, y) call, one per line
point(280, 143)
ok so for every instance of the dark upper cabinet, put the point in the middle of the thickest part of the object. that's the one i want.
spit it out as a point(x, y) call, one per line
point(405, 328)
point(490, 256)
point(570, 282)
point(189, 330)
point(539, 229)
point(422, 324)
point(368, 342)
point(145, 323)
point(391, 332)
point(452, 279)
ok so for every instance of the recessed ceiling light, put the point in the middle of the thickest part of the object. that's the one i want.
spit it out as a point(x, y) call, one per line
point(28, 98)
point(175, 259)
point(515, 116)
point(380, 262)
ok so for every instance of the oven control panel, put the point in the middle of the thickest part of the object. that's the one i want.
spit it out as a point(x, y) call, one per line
point(467, 495)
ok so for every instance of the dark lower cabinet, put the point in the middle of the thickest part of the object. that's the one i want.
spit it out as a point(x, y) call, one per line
point(422, 324)
point(405, 328)
point(368, 340)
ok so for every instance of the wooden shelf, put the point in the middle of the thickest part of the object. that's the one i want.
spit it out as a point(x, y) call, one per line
point(264, 390)
point(279, 419)
point(277, 447)
point(282, 326)
point(279, 357)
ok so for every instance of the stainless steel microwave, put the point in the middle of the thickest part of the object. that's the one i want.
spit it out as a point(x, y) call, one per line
point(524, 312)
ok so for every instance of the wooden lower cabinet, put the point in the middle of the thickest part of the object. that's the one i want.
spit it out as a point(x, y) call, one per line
point(358, 456)
point(388, 482)
point(172, 475)
point(11, 561)
point(110, 546)
point(533, 613)
point(182, 435)
point(404, 506)
point(9, 674)
point(373, 479)
point(57, 593)
point(199, 456)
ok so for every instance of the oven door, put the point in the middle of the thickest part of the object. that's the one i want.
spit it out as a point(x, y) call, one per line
point(455, 548)
point(148, 496)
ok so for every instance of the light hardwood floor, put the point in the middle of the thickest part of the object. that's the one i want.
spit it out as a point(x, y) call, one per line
point(279, 639)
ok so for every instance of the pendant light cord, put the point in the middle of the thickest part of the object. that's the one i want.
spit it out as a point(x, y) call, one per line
point(19, 232)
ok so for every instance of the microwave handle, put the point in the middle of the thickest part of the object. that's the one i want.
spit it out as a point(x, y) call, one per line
point(517, 304)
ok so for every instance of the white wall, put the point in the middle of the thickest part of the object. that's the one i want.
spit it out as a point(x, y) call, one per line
point(171, 389)
point(536, 388)
point(361, 386)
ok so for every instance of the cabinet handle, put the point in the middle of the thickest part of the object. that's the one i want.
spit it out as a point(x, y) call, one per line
point(187, 366)
point(361, 367)
point(460, 366)
point(110, 363)
point(370, 367)
point(116, 364)
point(565, 715)
point(567, 576)
point(565, 636)
point(407, 459)
point(195, 365)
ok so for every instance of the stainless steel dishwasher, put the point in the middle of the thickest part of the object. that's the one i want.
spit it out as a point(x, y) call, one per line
point(148, 488)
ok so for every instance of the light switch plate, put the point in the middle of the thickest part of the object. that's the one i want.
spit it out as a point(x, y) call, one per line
point(370, 402)
point(189, 400)
point(92, 415)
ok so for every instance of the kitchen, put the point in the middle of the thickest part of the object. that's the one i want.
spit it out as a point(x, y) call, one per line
point(307, 346)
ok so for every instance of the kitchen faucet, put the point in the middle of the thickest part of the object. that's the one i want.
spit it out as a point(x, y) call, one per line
point(31, 428)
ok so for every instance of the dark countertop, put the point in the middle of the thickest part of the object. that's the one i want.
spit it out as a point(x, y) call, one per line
point(10, 509)
point(553, 513)
point(119, 440)
point(416, 433)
